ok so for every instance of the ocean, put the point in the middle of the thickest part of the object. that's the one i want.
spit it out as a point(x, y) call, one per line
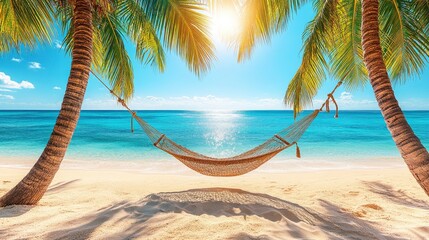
point(106, 135)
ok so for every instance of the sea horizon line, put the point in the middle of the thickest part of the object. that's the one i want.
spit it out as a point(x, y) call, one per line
point(216, 110)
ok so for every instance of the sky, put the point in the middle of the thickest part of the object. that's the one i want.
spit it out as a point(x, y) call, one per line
point(36, 79)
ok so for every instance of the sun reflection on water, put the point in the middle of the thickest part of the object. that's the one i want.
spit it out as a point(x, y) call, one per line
point(222, 128)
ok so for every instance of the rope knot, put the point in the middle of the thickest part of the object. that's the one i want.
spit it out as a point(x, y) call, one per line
point(327, 101)
point(121, 101)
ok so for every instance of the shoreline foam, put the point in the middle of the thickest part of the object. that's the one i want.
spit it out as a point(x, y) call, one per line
point(173, 166)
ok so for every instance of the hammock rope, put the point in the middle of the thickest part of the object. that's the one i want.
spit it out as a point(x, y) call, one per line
point(230, 166)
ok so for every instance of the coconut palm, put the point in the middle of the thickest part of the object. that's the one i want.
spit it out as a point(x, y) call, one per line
point(413, 152)
point(94, 35)
point(390, 42)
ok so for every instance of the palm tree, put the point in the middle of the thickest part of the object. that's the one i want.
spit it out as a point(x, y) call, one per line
point(95, 31)
point(412, 151)
point(344, 40)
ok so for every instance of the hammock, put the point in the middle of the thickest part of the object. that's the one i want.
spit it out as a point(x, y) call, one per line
point(231, 166)
point(236, 165)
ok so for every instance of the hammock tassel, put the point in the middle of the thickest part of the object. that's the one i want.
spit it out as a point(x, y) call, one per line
point(133, 115)
point(132, 125)
point(298, 152)
point(336, 107)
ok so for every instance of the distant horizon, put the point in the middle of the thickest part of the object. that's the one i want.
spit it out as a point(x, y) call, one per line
point(217, 110)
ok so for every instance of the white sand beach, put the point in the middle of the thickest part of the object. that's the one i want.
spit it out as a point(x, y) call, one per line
point(121, 204)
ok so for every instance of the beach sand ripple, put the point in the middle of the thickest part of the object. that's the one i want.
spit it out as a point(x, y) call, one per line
point(340, 204)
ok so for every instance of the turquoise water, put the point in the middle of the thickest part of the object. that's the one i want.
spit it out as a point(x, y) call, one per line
point(105, 135)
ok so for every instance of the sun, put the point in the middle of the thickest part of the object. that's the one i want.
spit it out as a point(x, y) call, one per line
point(226, 23)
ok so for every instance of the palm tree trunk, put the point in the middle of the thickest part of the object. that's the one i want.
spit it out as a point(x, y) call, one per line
point(412, 151)
point(31, 189)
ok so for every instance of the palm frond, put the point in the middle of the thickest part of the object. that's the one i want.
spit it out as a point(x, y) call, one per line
point(420, 8)
point(7, 42)
point(406, 44)
point(216, 6)
point(149, 49)
point(259, 20)
point(98, 50)
point(25, 23)
point(346, 58)
point(184, 27)
point(116, 64)
point(318, 41)
point(64, 14)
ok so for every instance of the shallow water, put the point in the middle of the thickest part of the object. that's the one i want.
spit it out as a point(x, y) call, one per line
point(105, 135)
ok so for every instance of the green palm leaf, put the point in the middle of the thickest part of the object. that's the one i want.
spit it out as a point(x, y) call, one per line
point(346, 56)
point(405, 42)
point(116, 64)
point(183, 25)
point(148, 46)
point(24, 23)
point(261, 19)
point(319, 38)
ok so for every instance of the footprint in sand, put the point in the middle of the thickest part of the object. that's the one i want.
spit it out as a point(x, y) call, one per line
point(363, 209)
point(373, 206)
point(6, 182)
point(289, 189)
point(359, 213)
point(353, 193)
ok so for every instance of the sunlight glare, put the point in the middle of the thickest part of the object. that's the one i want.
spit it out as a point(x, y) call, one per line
point(225, 23)
point(222, 129)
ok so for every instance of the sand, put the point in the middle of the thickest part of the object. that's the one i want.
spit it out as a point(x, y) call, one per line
point(120, 204)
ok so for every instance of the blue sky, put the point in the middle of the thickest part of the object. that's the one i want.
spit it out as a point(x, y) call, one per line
point(36, 79)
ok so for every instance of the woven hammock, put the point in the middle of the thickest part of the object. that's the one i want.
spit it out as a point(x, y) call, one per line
point(231, 166)
point(236, 165)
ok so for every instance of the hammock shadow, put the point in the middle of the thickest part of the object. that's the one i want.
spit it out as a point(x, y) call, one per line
point(137, 218)
point(221, 202)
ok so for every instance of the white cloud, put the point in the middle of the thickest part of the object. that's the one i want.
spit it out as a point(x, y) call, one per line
point(57, 44)
point(16, 59)
point(56, 88)
point(274, 101)
point(7, 82)
point(5, 90)
point(208, 102)
point(347, 101)
point(26, 84)
point(346, 96)
point(154, 99)
point(35, 65)
point(4, 96)
point(414, 103)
